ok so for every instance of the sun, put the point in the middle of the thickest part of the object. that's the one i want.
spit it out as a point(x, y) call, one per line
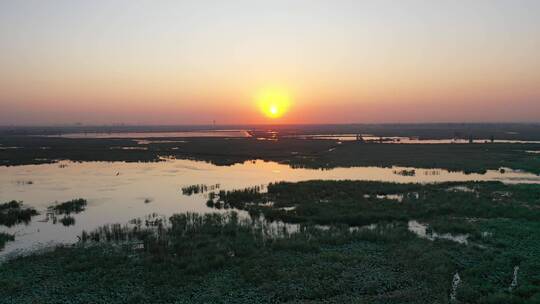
point(274, 103)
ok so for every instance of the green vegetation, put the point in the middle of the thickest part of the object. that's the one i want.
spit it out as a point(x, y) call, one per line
point(220, 259)
point(67, 220)
point(405, 172)
point(196, 189)
point(66, 208)
point(73, 206)
point(13, 213)
point(475, 158)
point(232, 258)
point(4, 238)
point(360, 203)
point(295, 152)
point(306, 242)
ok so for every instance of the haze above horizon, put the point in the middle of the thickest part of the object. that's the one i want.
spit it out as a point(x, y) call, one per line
point(195, 62)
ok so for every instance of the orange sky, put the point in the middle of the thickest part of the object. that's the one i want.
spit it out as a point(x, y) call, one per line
point(141, 62)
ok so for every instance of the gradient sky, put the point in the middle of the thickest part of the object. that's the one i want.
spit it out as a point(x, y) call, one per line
point(190, 62)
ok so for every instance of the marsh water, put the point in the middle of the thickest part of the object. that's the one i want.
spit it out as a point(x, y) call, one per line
point(118, 192)
point(410, 140)
point(275, 134)
point(203, 133)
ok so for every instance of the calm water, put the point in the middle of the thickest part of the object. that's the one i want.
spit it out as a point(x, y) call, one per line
point(118, 192)
point(411, 140)
point(210, 133)
point(274, 136)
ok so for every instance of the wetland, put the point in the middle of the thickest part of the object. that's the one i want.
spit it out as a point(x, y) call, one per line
point(223, 219)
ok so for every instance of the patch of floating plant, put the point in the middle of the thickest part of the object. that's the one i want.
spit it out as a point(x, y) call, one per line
point(65, 209)
point(405, 172)
point(73, 206)
point(199, 188)
point(24, 182)
point(237, 198)
point(13, 213)
point(67, 220)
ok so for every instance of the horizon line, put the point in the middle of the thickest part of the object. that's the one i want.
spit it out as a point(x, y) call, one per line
point(270, 124)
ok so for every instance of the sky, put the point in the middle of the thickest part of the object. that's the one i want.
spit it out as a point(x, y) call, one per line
point(337, 61)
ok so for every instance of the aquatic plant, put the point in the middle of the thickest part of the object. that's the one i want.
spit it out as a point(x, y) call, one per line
point(199, 188)
point(307, 153)
point(25, 182)
point(4, 238)
point(237, 198)
point(72, 206)
point(227, 257)
point(223, 257)
point(67, 220)
point(359, 203)
point(13, 212)
point(405, 172)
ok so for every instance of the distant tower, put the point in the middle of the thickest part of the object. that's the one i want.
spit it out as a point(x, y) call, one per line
point(214, 123)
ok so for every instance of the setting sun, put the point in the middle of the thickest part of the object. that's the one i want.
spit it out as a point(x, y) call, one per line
point(274, 103)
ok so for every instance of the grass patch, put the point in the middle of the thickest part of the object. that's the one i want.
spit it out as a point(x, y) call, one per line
point(67, 220)
point(303, 153)
point(13, 213)
point(219, 258)
point(72, 206)
point(199, 188)
point(359, 203)
point(225, 258)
